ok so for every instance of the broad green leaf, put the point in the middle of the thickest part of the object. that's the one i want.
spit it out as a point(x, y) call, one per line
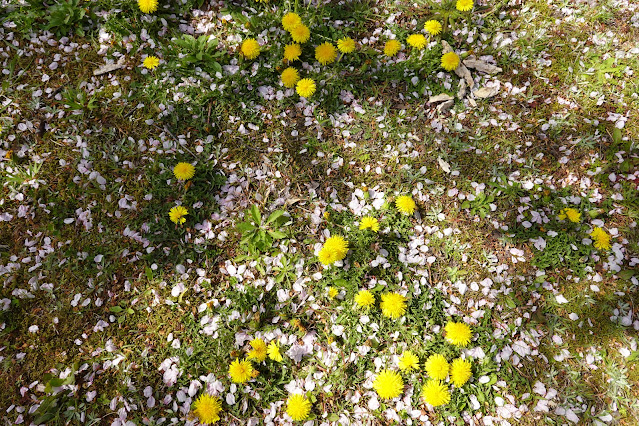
point(276, 214)
point(277, 234)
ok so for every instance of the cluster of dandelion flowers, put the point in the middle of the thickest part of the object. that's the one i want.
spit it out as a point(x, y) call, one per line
point(290, 21)
point(436, 367)
point(392, 47)
point(460, 372)
point(435, 393)
point(388, 384)
point(241, 371)
point(464, 5)
point(250, 48)
point(364, 299)
point(325, 53)
point(207, 408)
point(259, 351)
point(151, 62)
point(290, 77)
point(405, 204)
point(292, 52)
point(178, 214)
point(418, 41)
point(408, 361)
point(601, 238)
point(450, 61)
point(346, 45)
point(298, 407)
point(369, 222)
point(393, 305)
point(433, 27)
point(300, 34)
point(273, 351)
point(458, 333)
point(183, 171)
point(148, 6)
point(335, 248)
point(571, 214)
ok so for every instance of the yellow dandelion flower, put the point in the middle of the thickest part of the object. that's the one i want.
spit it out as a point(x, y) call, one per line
point(572, 214)
point(433, 27)
point(346, 45)
point(405, 204)
point(250, 48)
point(450, 61)
point(388, 384)
point(151, 62)
point(458, 333)
point(418, 41)
point(369, 222)
point(298, 407)
point(408, 361)
point(300, 34)
point(290, 77)
point(273, 351)
point(393, 305)
point(259, 351)
point(392, 47)
point(435, 393)
point(335, 248)
point(292, 52)
point(241, 371)
point(184, 171)
point(332, 292)
point(460, 372)
point(464, 5)
point(207, 408)
point(148, 6)
point(325, 53)
point(364, 299)
point(305, 87)
point(291, 20)
point(177, 214)
point(601, 238)
point(436, 367)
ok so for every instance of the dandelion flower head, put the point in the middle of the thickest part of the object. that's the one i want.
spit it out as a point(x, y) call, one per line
point(207, 408)
point(292, 52)
point(290, 21)
point(300, 34)
point(325, 53)
point(332, 292)
point(364, 299)
point(460, 372)
point(151, 62)
point(250, 48)
point(450, 61)
point(433, 27)
point(273, 351)
point(418, 41)
point(305, 87)
point(388, 384)
point(601, 238)
point(369, 222)
point(177, 215)
point(148, 6)
point(298, 407)
point(571, 214)
point(392, 47)
point(408, 361)
point(241, 371)
point(405, 204)
point(435, 393)
point(259, 352)
point(290, 77)
point(334, 249)
point(393, 305)
point(346, 45)
point(184, 171)
point(458, 333)
point(464, 5)
point(437, 367)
